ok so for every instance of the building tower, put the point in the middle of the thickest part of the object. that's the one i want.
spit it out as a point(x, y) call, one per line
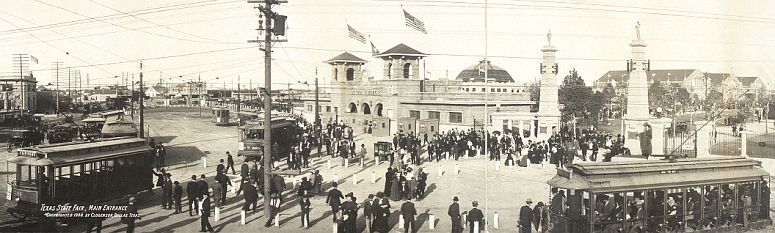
point(346, 69)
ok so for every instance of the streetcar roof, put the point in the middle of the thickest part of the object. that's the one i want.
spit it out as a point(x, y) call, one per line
point(93, 119)
point(83, 145)
point(78, 159)
point(642, 175)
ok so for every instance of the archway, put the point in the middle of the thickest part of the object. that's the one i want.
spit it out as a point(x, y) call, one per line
point(350, 74)
point(353, 108)
point(407, 70)
point(366, 108)
point(379, 109)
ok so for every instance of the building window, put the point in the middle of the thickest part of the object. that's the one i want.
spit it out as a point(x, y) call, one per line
point(336, 73)
point(414, 114)
point(350, 74)
point(434, 115)
point(328, 108)
point(482, 89)
point(389, 70)
point(407, 70)
point(309, 108)
point(455, 117)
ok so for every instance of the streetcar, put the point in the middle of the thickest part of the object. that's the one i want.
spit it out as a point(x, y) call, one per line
point(244, 116)
point(726, 194)
point(221, 116)
point(119, 128)
point(82, 173)
point(284, 137)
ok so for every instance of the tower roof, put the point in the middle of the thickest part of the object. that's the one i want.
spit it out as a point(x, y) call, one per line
point(402, 50)
point(475, 73)
point(347, 58)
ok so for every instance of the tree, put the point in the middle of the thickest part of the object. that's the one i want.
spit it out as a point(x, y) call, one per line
point(658, 95)
point(535, 95)
point(573, 95)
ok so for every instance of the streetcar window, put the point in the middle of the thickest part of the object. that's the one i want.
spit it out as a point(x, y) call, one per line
point(728, 204)
point(711, 204)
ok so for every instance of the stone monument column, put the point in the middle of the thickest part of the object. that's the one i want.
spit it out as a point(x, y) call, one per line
point(637, 95)
point(548, 105)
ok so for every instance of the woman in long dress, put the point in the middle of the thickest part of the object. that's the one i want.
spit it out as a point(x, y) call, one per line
point(388, 181)
point(395, 189)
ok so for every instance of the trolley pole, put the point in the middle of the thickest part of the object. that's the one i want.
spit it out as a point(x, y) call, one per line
point(267, 17)
point(142, 96)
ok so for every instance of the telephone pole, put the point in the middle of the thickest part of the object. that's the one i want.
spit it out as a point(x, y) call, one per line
point(267, 17)
point(57, 64)
point(142, 96)
point(318, 127)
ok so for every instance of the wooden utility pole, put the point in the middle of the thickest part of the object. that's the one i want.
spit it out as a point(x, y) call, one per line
point(142, 96)
point(279, 22)
point(318, 126)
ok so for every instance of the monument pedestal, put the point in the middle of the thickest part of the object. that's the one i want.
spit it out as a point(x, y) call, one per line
point(703, 137)
point(659, 127)
point(633, 128)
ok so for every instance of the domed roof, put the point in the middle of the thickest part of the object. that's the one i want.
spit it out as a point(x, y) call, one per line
point(475, 73)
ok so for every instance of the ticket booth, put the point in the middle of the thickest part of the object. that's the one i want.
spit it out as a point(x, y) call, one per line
point(380, 126)
point(407, 125)
point(427, 126)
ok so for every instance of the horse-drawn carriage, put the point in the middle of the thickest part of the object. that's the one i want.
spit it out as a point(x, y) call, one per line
point(19, 138)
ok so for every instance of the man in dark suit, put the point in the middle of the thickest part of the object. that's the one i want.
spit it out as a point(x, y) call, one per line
point(475, 215)
point(278, 186)
point(130, 220)
point(204, 187)
point(220, 168)
point(205, 214)
point(224, 182)
point(525, 217)
point(454, 215)
point(367, 207)
point(251, 197)
point(192, 192)
point(177, 194)
point(408, 211)
point(349, 213)
point(230, 163)
point(334, 199)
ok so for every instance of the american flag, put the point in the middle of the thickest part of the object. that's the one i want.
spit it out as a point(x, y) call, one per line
point(415, 23)
point(374, 51)
point(355, 34)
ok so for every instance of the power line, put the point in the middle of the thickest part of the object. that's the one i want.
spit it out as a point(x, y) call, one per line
point(117, 25)
point(171, 29)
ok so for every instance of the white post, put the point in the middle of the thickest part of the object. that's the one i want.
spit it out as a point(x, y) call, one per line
point(242, 217)
point(305, 220)
point(376, 160)
point(476, 227)
point(217, 214)
point(446, 154)
point(362, 162)
point(334, 227)
point(275, 164)
point(457, 169)
point(400, 221)
point(373, 177)
point(355, 178)
point(336, 178)
point(431, 222)
point(743, 144)
point(346, 162)
point(495, 220)
point(441, 172)
point(204, 161)
point(498, 166)
point(464, 221)
point(200, 207)
point(277, 220)
point(329, 163)
point(294, 181)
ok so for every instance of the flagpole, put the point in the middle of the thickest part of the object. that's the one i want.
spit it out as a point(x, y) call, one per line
point(486, 118)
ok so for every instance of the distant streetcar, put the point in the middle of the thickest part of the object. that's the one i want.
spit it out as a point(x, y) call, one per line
point(251, 137)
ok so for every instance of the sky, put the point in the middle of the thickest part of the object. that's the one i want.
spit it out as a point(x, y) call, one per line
point(206, 40)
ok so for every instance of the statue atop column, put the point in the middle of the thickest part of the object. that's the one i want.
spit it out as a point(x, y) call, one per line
point(637, 29)
point(549, 37)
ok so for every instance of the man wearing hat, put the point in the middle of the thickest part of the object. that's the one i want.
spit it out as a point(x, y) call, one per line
point(525, 217)
point(349, 213)
point(205, 224)
point(130, 220)
point(408, 212)
point(192, 192)
point(334, 199)
point(367, 211)
point(454, 214)
point(274, 205)
point(476, 215)
point(305, 189)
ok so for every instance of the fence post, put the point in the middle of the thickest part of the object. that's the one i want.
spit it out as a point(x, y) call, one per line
point(743, 143)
